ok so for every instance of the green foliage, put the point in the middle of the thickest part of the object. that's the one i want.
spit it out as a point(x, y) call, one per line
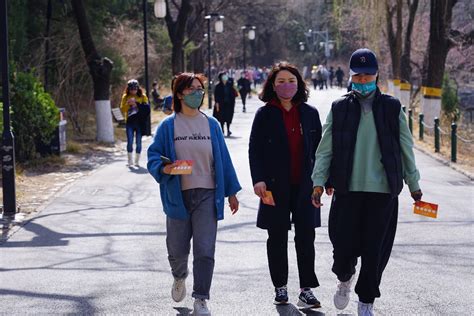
point(449, 98)
point(34, 116)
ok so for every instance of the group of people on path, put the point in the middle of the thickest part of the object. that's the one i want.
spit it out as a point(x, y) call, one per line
point(320, 76)
point(361, 157)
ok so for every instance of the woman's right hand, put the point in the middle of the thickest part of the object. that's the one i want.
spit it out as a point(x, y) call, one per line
point(167, 168)
point(260, 188)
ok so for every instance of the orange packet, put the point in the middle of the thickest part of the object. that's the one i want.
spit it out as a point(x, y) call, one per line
point(425, 209)
point(182, 167)
point(268, 199)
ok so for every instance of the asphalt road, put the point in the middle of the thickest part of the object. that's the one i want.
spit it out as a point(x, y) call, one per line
point(99, 248)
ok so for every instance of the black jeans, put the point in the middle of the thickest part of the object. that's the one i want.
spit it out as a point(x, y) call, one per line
point(363, 224)
point(277, 249)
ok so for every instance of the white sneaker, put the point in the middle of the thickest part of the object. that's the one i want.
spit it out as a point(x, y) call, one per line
point(342, 296)
point(365, 309)
point(200, 307)
point(178, 291)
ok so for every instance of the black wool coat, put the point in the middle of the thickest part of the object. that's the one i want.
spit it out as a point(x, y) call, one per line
point(226, 109)
point(269, 156)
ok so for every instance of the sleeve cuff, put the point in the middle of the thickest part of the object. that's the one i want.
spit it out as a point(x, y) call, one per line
point(414, 186)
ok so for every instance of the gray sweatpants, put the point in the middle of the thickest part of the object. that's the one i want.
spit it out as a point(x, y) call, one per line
point(201, 226)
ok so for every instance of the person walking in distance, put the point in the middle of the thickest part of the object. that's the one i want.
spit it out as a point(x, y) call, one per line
point(193, 203)
point(284, 137)
point(365, 154)
point(224, 96)
point(243, 85)
point(339, 76)
point(135, 108)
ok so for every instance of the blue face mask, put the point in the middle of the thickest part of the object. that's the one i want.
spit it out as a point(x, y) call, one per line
point(364, 88)
point(194, 99)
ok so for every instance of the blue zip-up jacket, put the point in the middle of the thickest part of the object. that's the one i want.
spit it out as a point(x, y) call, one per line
point(226, 180)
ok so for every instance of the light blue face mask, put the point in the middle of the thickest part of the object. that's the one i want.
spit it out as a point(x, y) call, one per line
point(364, 88)
point(194, 99)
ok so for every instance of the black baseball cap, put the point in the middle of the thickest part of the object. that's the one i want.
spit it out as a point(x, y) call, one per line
point(363, 61)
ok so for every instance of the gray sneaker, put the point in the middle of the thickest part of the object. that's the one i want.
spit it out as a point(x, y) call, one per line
point(178, 291)
point(200, 307)
point(342, 296)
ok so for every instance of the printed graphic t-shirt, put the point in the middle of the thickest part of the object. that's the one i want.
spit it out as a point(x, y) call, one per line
point(192, 141)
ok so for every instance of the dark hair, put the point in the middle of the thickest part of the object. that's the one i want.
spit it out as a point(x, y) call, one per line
point(220, 76)
point(268, 92)
point(182, 82)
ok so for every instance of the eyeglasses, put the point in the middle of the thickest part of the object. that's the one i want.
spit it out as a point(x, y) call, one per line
point(192, 90)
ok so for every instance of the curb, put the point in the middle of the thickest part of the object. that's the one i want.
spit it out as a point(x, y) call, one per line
point(446, 162)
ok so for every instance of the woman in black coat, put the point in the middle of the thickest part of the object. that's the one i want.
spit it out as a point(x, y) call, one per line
point(285, 135)
point(224, 96)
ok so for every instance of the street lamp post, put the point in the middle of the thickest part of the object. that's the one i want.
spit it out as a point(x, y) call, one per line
point(251, 36)
point(145, 39)
point(8, 143)
point(219, 28)
point(326, 43)
point(160, 12)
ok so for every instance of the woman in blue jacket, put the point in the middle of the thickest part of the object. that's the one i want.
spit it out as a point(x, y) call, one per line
point(193, 203)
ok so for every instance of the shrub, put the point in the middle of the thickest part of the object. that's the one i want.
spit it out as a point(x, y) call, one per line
point(449, 98)
point(34, 116)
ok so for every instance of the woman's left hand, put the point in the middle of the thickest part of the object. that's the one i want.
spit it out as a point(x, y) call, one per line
point(233, 204)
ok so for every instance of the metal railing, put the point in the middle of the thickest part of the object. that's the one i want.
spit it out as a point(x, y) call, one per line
point(438, 131)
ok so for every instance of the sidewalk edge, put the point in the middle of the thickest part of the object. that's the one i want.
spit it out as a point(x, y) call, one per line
point(446, 162)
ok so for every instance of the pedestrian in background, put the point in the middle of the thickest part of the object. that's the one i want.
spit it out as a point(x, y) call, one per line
point(135, 109)
point(243, 85)
point(193, 203)
point(314, 76)
point(331, 75)
point(365, 153)
point(155, 93)
point(284, 137)
point(168, 100)
point(224, 97)
point(339, 76)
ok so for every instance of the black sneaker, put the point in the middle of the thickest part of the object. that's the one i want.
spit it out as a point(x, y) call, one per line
point(281, 296)
point(308, 300)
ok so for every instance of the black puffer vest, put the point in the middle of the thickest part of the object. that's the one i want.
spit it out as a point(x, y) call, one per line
point(346, 113)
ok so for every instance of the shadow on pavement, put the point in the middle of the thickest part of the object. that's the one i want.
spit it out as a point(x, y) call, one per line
point(139, 170)
point(183, 311)
point(46, 237)
point(292, 310)
point(84, 307)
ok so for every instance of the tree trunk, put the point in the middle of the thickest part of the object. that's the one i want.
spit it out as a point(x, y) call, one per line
point(197, 60)
point(100, 70)
point(405, 67)
point(176, 31)
point(439, 42)
point(394, 37)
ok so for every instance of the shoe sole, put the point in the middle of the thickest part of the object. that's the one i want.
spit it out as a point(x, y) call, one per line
point(303, 305)
point(280, 303)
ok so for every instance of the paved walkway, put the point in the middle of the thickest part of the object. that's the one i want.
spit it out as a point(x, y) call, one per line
point(99, 247)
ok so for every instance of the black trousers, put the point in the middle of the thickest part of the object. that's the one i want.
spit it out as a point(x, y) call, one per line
point(243, 96)
point(277, 249)
point(362, 224)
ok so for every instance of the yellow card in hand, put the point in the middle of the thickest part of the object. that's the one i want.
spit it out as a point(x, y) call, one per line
point(268, 199)
point(182, 167)
point(425, 209)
